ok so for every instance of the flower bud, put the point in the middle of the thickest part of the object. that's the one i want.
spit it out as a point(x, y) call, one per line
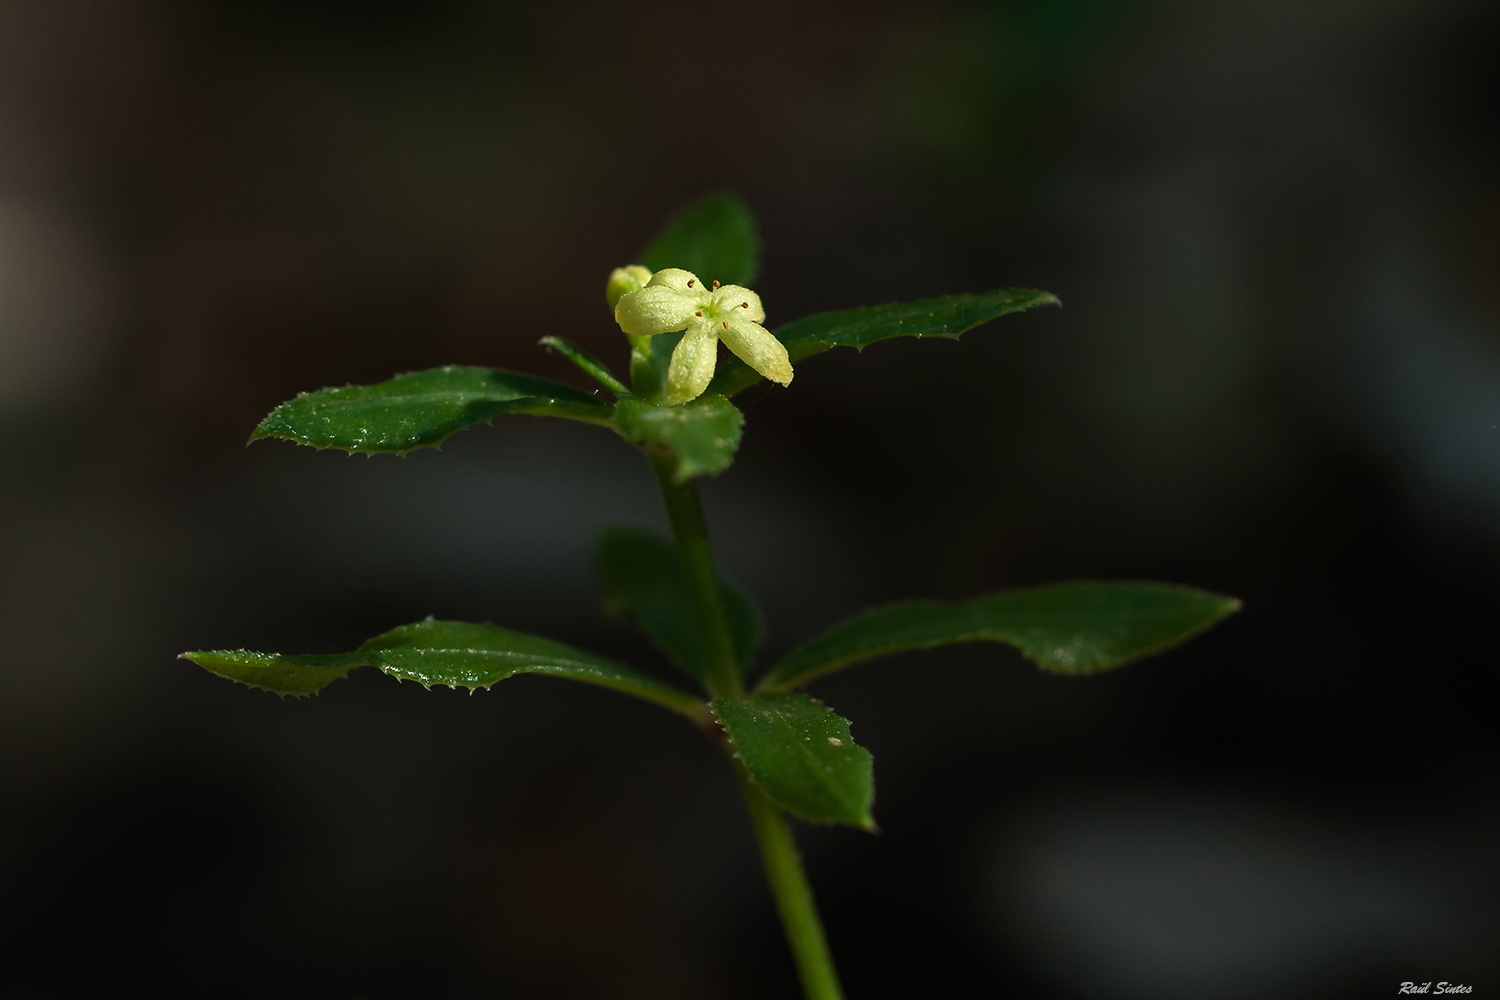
point(623, 280)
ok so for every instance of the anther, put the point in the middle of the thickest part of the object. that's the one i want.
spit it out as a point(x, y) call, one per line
point(716, 284)
point(744, 305)
point(690, 282)
point(726, 324)
point(698, 313)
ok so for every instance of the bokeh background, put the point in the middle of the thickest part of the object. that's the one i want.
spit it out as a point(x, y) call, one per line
point(1275, 226)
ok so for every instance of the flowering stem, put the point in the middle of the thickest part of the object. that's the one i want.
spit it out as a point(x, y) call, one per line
point(794, 899)
point(686, 513)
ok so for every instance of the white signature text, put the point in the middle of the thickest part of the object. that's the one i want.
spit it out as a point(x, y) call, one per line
point(1434, 988)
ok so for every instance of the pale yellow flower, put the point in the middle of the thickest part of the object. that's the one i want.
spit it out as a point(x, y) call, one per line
point(675, 299)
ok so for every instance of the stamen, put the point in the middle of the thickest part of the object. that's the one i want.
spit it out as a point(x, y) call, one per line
point(744, 305)
point(690, 282)
point(726, 324)
point(716, 284)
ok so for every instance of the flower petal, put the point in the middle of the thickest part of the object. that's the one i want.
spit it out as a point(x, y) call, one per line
point(683, 281)
point(755, 346)
point(655, 309)
point(738, 302)
point(692, 364)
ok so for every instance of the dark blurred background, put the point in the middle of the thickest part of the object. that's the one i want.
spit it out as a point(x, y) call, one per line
point(1275, 226)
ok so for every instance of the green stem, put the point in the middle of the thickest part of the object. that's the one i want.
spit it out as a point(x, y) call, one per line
point(686, 513)
point(794, 899)
point(644, 379)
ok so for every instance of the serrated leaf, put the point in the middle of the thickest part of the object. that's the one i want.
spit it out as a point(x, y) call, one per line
point(293, 675)
point(455, 654)
point(948, 317)
point(702, 436)
point(714, 237)
point(799, 752)
point(421, 409)
point(1069, 628)
point(643, 577)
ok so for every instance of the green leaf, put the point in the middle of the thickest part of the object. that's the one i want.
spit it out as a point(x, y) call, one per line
point(1068, 628)
point(800, 753)
point(587, 363)
point(643, 577)
point(456, 654)
point(702, 436)
point(293, 675)
point(714, 237)
point(421, 409)
point(949, 317)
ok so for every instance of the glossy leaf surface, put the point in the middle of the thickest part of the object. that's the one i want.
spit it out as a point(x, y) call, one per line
point(702, 435)
point(421, 409)
point(715, 238)
point(948, 317)
point(799, 752)
point(642, 577)
point(455, 654)
point(1069, 628)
